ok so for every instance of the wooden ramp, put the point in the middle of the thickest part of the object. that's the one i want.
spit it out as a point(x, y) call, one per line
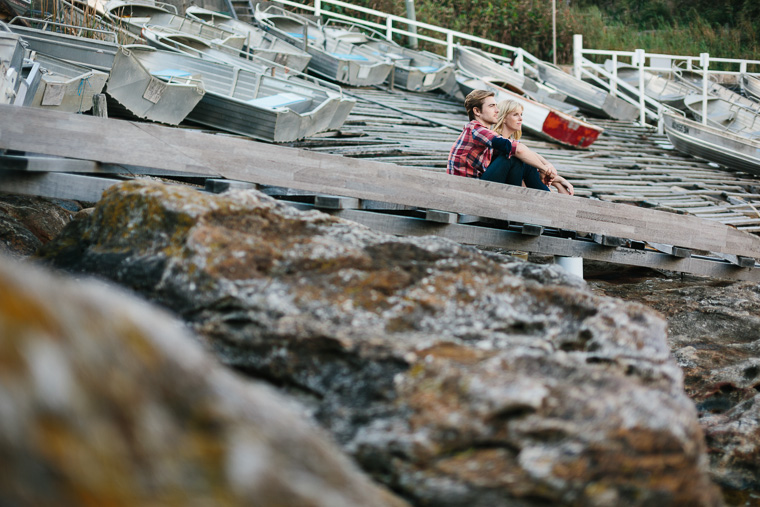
point(621, 232)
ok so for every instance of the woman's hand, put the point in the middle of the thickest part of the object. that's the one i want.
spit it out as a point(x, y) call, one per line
point(563, 186)
point(548, 174)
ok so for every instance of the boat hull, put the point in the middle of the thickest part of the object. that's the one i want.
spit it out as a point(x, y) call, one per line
point(66, 87)
point(331, 57)
point(751, 86)
point(587, 97)
point(148, 97)
point(736, 152)
point(541, 120)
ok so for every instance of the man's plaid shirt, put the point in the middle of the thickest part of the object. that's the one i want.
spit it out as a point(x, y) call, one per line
point(472, 151)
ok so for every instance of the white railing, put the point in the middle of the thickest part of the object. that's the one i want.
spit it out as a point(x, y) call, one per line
point(392, 25)
point(606, 76)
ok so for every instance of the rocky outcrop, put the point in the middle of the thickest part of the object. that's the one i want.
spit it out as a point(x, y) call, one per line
point(27, 223)
point(104, 400)
point(714, 332)
point(451, 375)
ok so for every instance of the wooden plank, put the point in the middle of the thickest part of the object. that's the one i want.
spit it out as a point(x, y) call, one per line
point(55, 185)
point(609, 241)
point(442, 217)
point(37, 163)
point(336, 202)
point(675, 251)
point(217, 186)
point(118, 141)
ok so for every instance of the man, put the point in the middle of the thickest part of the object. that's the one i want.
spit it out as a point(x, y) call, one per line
point(472, 153)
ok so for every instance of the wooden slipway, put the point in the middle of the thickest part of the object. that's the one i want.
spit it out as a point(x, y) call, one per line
point(109, 141)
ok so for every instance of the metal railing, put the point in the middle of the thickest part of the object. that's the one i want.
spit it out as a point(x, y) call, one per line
point(607, 78)
point(392, 25)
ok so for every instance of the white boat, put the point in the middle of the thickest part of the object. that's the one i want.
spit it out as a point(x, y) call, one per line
point(413, 70)
point(479, 64)
point(257, 40)
point(93, 53)
point(333, 58)
point(658, 87)
point(168, 100)
point(693, 79)
point(589, 98)
point(738, 152)
point(66, 86)
point(253, 104)
point(726, 115)
point(540, 119)
point(751, 85)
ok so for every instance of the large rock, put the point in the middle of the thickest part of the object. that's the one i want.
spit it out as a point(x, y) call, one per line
point(453, 376)
point(714, 332)
point(106, 401)
point(27, 223)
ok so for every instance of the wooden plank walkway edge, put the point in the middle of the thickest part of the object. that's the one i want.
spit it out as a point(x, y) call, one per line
point(141, 144)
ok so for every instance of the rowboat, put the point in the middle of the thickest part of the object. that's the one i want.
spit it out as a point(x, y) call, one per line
point(725, 115)
point(738, 152)
point(93, 53)
point(666, 91)
point(479, 64)
point(257, 40)
point(751, 85)
point(66, 86)
point(589, 98)
point(540, 119)
point(248, 103)
point(168, 100)
point(693, 79)
point(332, 57)
point(413, 70)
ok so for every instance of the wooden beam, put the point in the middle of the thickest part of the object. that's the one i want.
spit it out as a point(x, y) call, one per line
point(499, 238)
point(55, 185)
point(125, 142)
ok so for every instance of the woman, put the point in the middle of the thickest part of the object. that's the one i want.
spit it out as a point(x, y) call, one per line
point(509, 125)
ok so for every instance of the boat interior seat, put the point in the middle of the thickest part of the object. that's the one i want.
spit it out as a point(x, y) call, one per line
point(291, 100)
point(724, 118)
point(347, 56)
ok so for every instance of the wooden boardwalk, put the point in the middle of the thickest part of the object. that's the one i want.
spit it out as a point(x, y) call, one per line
point(408, 193)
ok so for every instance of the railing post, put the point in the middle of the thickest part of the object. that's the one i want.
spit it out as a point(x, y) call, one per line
point(318, 8)
point(613, 82)
point(743, 67)
point(640, 60)
point(577, 55)
point(412, 16)
point(450, 45)
point(519, 61)
point(704, 61)
point(389, 28)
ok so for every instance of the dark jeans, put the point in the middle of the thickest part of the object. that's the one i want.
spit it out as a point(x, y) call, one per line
point(513, 171)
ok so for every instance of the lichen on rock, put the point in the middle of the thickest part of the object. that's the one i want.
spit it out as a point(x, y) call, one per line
point(453, 376)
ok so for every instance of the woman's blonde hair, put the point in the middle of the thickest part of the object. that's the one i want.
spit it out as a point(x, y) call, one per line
point(507, 107)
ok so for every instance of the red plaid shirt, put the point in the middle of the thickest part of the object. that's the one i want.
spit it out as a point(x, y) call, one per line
point(472, 151)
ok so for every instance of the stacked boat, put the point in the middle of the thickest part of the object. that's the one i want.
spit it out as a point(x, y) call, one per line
point(246, 95)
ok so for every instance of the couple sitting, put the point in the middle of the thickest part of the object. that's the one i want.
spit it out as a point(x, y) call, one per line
point(489, 147)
